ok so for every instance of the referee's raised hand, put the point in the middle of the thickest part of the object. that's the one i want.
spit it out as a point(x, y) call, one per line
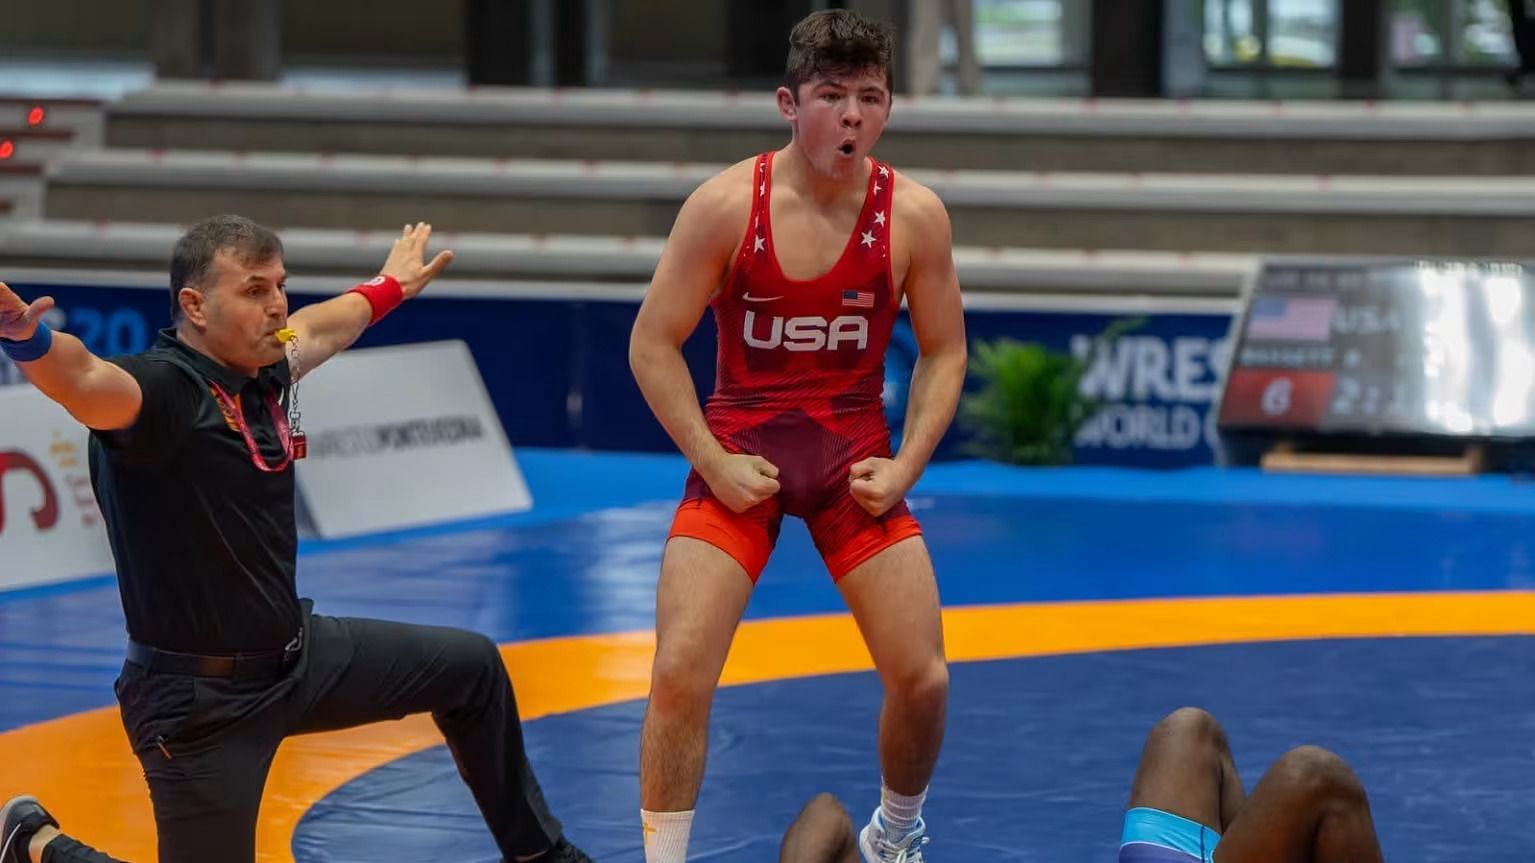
point(18, 321)
point(406, 257)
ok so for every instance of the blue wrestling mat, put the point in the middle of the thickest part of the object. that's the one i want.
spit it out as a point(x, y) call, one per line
point(1038, 759)
point(1040, 750)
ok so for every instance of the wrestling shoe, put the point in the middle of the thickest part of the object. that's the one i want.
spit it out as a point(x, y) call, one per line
point(877, 847)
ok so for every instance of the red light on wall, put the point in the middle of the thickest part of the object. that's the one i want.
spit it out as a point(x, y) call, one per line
point(7, 149)
point(36, 116)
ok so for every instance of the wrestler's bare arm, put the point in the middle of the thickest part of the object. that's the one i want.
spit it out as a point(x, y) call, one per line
point(938, 319)
point(692, 268)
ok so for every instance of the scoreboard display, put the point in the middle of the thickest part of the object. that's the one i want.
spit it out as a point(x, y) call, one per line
point(1436, 348)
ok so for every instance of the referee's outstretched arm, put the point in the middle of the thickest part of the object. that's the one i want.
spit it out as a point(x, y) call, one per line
point(328, 328)
point(94, 391)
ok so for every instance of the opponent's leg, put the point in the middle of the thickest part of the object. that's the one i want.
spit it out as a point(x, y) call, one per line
point(823, 833)
point(700, 598)
point(1186, 791)
point(1308, 808)
point(1186, 769)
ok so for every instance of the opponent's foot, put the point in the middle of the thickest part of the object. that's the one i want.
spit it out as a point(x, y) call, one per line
point(20, 819)
point(879, 847)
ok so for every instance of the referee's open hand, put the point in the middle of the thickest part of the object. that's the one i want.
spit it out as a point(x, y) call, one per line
point(18, 321)
point(406, 257)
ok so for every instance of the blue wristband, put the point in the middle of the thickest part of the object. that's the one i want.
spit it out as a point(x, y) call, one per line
point(31, 349)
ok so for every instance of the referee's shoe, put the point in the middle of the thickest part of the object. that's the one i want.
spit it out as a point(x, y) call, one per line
point(23, 817)
point(20, 820)
point(562, 852)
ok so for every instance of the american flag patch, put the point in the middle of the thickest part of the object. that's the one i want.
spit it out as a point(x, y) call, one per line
point(1291, 319)
point(858, 299)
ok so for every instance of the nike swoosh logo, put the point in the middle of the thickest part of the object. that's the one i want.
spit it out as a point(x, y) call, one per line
point(751, 299)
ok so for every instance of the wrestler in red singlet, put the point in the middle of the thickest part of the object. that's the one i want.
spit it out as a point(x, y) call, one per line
point(799, 380)
point(807, 256)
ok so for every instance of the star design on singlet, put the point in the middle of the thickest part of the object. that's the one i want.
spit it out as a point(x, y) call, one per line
point(758, 245)
point(884, 171)
point(877, 188)
point(762, 189)
point(868, 238)
point(879, 219)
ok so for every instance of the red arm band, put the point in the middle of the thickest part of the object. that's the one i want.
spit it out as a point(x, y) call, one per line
point(383, 293)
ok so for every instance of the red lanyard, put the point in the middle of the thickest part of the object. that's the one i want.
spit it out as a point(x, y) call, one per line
point(233, 413)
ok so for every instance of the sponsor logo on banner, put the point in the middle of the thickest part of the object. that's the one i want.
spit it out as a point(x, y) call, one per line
point(45, 516)
point(397, 437)
point(106, 329)
point(1156, 391)
point(50, 527)
point(401, 437)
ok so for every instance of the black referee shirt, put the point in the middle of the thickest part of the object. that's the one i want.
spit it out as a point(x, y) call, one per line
point(205, 542)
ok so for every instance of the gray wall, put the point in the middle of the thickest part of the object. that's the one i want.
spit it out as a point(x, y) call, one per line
point(34, 27)
point(686, 31)
point(406, 32)
point(409, 30)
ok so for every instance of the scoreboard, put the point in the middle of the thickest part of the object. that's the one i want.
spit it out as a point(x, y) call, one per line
point(1385, 347)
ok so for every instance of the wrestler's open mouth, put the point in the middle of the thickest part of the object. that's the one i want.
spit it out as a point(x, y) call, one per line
point(847, 148)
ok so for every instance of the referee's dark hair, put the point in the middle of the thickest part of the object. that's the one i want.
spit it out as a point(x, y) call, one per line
point(203, 241)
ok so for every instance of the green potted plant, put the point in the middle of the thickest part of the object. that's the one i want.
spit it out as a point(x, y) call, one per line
point(1029, 407)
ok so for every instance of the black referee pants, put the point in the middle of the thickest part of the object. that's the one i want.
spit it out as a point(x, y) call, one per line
point(206, 744)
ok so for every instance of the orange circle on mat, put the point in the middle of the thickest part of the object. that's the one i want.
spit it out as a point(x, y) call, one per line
point(81, 767)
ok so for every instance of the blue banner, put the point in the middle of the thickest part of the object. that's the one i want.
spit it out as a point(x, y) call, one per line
point(1157, 382)
point(558, 370)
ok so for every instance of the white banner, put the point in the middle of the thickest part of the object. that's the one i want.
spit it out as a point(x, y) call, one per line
point(403, 436)
point(50, 527)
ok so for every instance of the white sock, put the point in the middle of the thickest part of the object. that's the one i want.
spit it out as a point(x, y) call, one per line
point(666, 835)
point(899, 812)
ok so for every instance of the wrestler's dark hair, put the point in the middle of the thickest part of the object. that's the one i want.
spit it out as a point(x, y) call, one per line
point(195, 251)
point(837, 41)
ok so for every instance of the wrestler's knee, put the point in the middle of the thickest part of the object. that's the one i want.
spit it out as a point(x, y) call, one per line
point(1318, 773)
point(921, 685)
point(824, 806)
point(679, 681)
point(1190, 725)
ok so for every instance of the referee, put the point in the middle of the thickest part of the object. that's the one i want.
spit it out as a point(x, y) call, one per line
point(191, 459)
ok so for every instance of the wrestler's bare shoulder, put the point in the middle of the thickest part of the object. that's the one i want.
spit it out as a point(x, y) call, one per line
point(726, 193)
point(916, 204)
point(718, 210)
